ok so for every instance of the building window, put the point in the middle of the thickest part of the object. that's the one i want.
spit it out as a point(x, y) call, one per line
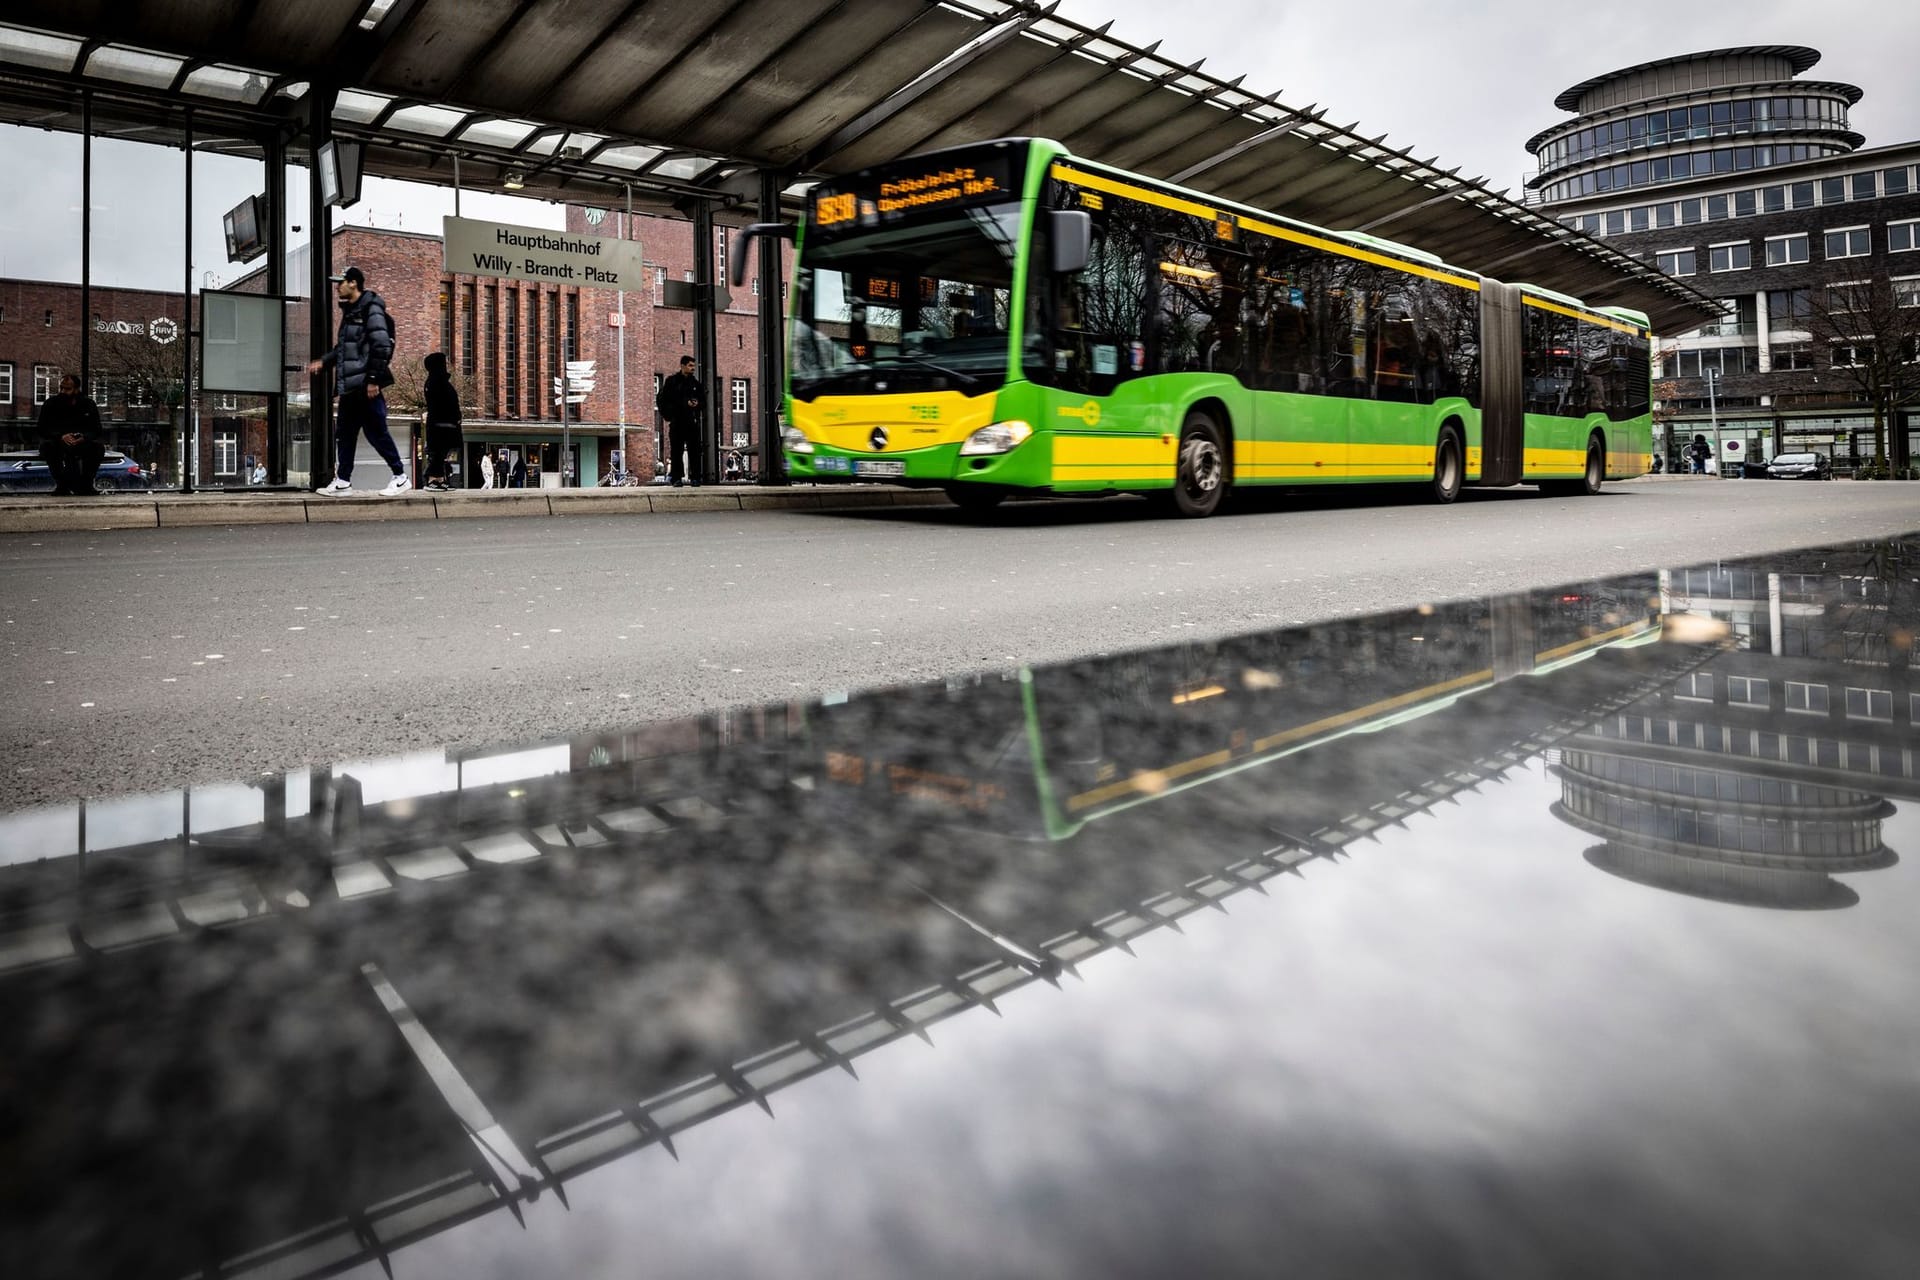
point(1746, 691)
point(1849, 242)
point(102, 391)
point(490, 344)
point(739, 390)
point(1833, 191)
point(1869, 704)
point(227, 401)
point(1677, 262)
point(1785, 251)
point(659, 286)
point(720, 253)
point(1699, 686)
point(1810, 698)
point(1903, 237)
point(510, 360)
point(226, 453)
point(1733, 256)
point(1797, 358)
point(756, 286)
point(139, 393)
point(1906, 291)
point(6, 383)
point(46, 381)
point(1893, 182)
point(1856, 354)
point(469, 329)
point(573, 326)
point(446, 319)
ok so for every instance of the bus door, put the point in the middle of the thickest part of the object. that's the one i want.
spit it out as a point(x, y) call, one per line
point(1502, 415)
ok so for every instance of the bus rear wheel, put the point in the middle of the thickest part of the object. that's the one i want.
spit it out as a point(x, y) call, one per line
point(1200, 474)
point(1449, 465)
point(1592, 476)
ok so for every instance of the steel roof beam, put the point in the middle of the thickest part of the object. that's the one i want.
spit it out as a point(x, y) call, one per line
point(1240, 148)
point(1063, 50)
point(874, 117)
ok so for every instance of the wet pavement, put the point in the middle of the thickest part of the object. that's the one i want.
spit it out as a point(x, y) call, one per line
point(1549, 934)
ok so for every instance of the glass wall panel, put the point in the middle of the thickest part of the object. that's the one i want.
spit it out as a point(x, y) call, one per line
point(233, 426)
point(141, 331)
point(39, 275)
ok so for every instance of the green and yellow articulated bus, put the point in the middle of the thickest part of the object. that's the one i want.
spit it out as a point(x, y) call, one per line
point(1006, 318)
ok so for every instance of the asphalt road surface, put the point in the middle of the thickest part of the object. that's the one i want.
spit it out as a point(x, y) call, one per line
point(145, 659)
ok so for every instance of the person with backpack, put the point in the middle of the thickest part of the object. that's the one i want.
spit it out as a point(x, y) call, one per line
point(443, 420)
point(363, 355)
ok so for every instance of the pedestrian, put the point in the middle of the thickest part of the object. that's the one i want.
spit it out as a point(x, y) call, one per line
point(486, 469)
point(362, 356)
point(1699, 451)
point(519, 470)
point(443, 420)
point(679, 404)
point(69, 440)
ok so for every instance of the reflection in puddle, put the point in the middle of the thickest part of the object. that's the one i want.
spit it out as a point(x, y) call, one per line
point(342, 1009)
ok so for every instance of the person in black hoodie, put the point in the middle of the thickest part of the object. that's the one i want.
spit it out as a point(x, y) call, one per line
point(362, 360)
point(443, 420)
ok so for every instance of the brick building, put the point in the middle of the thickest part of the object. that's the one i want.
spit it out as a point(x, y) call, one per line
point(1730, 170)
point(140, 345)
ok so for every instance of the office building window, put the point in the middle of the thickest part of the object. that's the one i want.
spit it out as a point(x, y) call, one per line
point(1869, 704)
point(1833, 191)
point(1906, 291)
point(1810, 698)
point(226, 453)
point(1746, 691)
point(1849, 242)
point(739, 390)
point(1893, 182)
point(46, 381)
point(1903, 237)
point(1787, 250)
point(1677, 262)
point(1698, 684)
point(659, 286)
point(1733, 256)
point(6, 383)
point(1856, 354)
point(1797, 358)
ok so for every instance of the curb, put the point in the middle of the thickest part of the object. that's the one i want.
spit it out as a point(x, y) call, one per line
point(176, 511)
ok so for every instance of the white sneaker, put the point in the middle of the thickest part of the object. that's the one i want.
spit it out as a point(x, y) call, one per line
point(335, 487)
point(398, 486)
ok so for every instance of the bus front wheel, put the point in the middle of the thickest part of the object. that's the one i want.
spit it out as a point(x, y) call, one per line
point(1200, 475)
point(975, 498)
point(1449, 465)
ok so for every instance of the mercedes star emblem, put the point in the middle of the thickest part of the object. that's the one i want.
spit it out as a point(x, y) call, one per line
point(878, 439)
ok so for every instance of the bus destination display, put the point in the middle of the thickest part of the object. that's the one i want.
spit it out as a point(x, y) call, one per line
point(887, 199)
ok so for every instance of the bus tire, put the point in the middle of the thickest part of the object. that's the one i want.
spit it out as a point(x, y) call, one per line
point(1200, 467)
point(1449, 465)
point(1592, 476)
point(975, 498)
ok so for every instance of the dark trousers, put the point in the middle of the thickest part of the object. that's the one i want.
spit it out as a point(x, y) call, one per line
point(360, 413)
point(685, 436)
point(73, 465)
point(441, 441)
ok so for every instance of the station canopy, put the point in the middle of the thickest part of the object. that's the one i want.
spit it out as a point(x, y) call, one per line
point(679, 99)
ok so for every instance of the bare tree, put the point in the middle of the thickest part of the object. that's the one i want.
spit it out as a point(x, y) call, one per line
point(151, 370)
point(1867, 332)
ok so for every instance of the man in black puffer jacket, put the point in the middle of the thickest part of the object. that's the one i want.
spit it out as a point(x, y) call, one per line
point(363, 357)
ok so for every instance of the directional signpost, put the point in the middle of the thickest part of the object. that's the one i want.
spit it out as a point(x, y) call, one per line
point(579, 385)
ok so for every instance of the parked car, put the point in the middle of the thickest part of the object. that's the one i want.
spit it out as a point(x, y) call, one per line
point(24, 472)
point(1800, 466)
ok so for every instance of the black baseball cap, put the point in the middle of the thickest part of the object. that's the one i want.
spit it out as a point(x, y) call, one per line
point(351, 273)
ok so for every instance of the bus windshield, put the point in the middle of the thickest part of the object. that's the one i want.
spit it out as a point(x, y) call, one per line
point(916, 308)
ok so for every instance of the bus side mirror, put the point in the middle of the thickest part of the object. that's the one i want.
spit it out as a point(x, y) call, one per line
point(1070, 232)
point(742, 259)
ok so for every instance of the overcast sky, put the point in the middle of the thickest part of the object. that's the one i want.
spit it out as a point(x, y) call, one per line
point(1466, 82)
point(1471, 80)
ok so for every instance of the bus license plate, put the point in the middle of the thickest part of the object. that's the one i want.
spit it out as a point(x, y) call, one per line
point(877, 467)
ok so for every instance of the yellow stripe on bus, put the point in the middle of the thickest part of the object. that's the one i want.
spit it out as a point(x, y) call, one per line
point(1156, 779)
point(1127, 457)
point(1593, 641)
point(1632, 330)
point(1147, 195)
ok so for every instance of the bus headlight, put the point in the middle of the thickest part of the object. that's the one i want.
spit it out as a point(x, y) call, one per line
point(1001, 437)
point(795, 439)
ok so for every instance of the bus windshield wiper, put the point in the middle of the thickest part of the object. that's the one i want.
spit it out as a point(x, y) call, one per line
point(918, 358)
